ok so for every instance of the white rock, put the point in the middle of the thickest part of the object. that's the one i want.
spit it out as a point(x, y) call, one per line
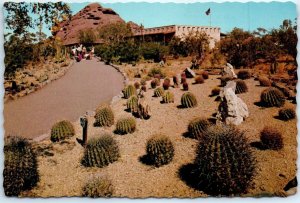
point(189, 73)
point(229, 71)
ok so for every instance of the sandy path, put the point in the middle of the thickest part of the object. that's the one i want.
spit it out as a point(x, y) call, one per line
point(84, 86)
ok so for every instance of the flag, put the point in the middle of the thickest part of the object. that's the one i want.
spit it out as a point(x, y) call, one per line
point(207, 12)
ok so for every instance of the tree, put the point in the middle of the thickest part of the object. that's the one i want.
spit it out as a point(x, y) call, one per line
point(87, 36)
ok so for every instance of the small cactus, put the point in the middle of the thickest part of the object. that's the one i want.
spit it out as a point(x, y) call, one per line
point(104, 116)
point(241, 87)
point(125, 126)
point(264, 82)
point(137, 85)
point(132, 103)
point(286, 114)
point(98, 187)
point(144, 88)
point(166, 84)
point(199, 79)
point(188, 100)
point(244, 74)
point(62, 130)
point(215, 91)
point(183, 80)
point(160, 150)
point(197, 127)
point(175, 81)
point(168, 97)
point(158, 92)
point(272, 97)
point(185, 86)
point(153, 83)
point(100, 152)
point(205, 75)
point(271, 138)
point(128, 91)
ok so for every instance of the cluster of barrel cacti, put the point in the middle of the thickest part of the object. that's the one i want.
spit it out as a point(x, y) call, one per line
point(271, 138)
point(132, 103)
point(168, 97)
point(100, 152)
point(224, 163)
point(197, 127)
point(104, 116)
point(244, 74)
point(199, 79)
point(20, 166)
point(241, 87)
point(128, 91)
point(62, 130)
point(286, 114)
point(272, 97)
point(188, 100)
point(98, 187)
point(158, 92)
point(125, 126)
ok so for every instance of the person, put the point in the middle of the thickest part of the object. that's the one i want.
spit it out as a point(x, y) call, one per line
point(92, 51)
point(84, 51)
point(74, 51)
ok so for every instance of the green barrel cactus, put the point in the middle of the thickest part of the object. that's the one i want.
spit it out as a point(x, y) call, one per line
point(168, 97)
point(286, 114)
point(128, 91)
point(158, 92)
point(241, 87)
point(98, 187)
point(125, 126)
point(104, 116)
point(132, 103)
point(188, 100)
point(272, 97)
point(197, 127)
point(62, 130)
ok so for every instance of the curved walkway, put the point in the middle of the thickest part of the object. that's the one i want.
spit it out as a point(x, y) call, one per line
point(83, 88)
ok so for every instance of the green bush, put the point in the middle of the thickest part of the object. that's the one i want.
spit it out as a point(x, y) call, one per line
point(153, 51)
point(62, 130)
point(125, 126)
point(98, 187)
point(104, 116)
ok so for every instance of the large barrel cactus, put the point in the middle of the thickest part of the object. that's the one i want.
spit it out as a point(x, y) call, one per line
point(160, 150)
point(98, 187)
point(132, 103)
point(125, 126)
point(158, 92)
point(100, 152)
point(62, 130)
point(128, 91)
point(20, 166)
point(104, 116)
point(188, 100)
point(224, 163)
point(168, 97)
point(286, 114)
point(241, 87)
point(197, 127)
point(272, 97)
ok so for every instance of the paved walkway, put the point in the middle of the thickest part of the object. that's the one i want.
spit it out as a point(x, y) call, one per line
point(84, 87)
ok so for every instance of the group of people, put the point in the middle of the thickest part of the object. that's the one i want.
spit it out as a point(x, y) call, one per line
point(80, 52)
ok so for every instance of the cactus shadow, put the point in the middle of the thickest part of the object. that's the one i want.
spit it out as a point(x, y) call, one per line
point(187, 174)
point(145, 159)
point(278, 118)
point(258, 145)
point(187, 135)
point(259, 104)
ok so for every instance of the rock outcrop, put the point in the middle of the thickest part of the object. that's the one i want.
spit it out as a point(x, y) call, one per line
point(229, 71)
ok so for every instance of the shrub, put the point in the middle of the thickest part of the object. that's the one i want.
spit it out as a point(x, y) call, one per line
point(137, 85)
point(224, 80)
point(20, 166)
point(62, 130)
point(156, 71)
point(160, 150)
point(271, 138)
point(185, 86)
point(168, 97)
point(132, 103)
point(224, 161)
point(286, 114)
point(272, 97)
point(153, 51)
point(128, 91)
point(264, 81)
point(100, 152)
point(241, 87)
point(199, 79)
point(158, 92)
point(153, 83)
point(197, 127)
point(104, 116)
point(145, 79)
point(98, 187)
point(244, 74)
point(166, 84)
point(125, 126)
point(215, 91)
point(188, 100)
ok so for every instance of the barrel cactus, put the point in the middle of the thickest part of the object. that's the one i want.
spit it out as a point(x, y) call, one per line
point(128, 91)
point(158, 92)
point(183, 80)
point(144, 88)
point(286, 114)
point(272, 97)
point(62, 130)
point(104, 116)
point(132, 103)
point(168, 97)
point(244, 74)
point(271, 138)
point(143, 111)
point(205, 75)
point(185, 86)
point(224, 164)
point(20, 166)
point(175, 81)
point(153, 83)
point(98, 187)
point(137, 85)
point(241, 87)
point(188, 100)
point(197, 127)
point(125, 126)
point(199, 79)
point(264, 81)
point(100, 152)
point(166, 84)
point(160, 150)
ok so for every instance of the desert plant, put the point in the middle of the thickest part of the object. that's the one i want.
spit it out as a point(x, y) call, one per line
point(157, 76)
point(104, 116)
point(271, 138)
point(244, 74)
point(145, 79)
point(158, 92)
point(197, 127)
point(215, 91)
point(264, 81)
point(132, 103)
point(143, 110)
point(125, 126)
point(156, 71)
point(199, 79)
point(128, 91)
point(166, 84)
point(224, 80)
point(137, 85)
point(185, 86)
point(153, 83)
point(188, 100)
point(224, 163)
point(160, 150)
point(241, 87)
point(98, 187)
point(168, 97)
point(272, 97)
point(100, 151)
point(144, 88)
point(183, 80)
point(205, 75)
point(62, 130)
point(286, 114)
point(20, 166)
point(175, 81)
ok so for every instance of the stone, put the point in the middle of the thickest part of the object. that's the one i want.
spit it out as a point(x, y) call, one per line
point(229, 71)
point(189, 73)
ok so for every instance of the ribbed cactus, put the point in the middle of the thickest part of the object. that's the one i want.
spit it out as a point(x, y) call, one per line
point(137, 85)
point(104, 116)
point(244, 74)
point(188, 100)
point(143, 110)
point(128, 91)
point(185, 86)
point(241, 87)
point(125, 126)
point(286, 114)
point(197, 127)
point(264, 81)
point(132, 103)
point(98, 187)
point(100, 152)
point(166, 84)
point(199, 79)
point(160, 150)
point(20, 166)
point(271, 138)
point(224, 162)
point(62, 130)
point(175, 81)
point(272, 97)
point(168, 97)
point(158, 92)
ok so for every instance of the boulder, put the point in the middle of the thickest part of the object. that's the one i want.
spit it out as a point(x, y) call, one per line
point(229, 71)
point(189, 73)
